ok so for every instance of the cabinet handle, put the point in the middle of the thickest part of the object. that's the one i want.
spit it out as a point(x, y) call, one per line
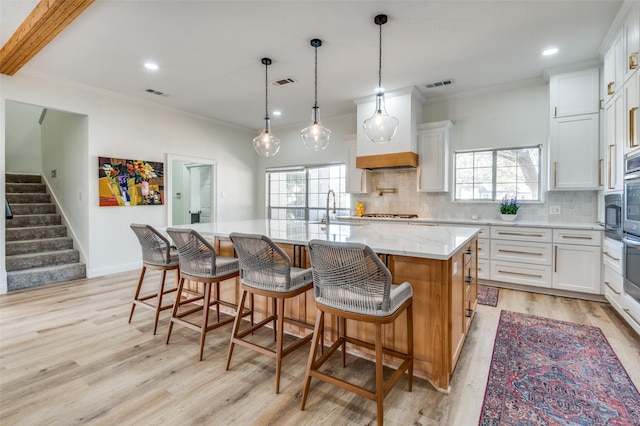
point(578, 237)
point(612, 289)
point(555, 259)
point(555, 111)
point(469, 279)
point(469, 251)
point(600, 162)
point(361, 181)
point(632, 127)
point(610, 88)
point(609, 164)
point(555, 174)
point(520, 234)
point(628, 311)
point(633, 61)
point(519, 273)
point(419, 179)
point(601, 103)
point(611, 257)
point(519, 252)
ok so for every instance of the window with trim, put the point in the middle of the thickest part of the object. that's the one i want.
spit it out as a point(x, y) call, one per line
point(300, 193)
point(493, 173)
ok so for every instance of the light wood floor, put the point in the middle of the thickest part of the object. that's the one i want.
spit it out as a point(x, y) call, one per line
point(68, 356)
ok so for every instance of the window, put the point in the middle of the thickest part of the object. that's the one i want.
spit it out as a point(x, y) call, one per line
point(492, 174)
point(300, 193)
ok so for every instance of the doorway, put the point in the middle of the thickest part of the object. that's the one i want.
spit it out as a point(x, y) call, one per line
point(191, 189)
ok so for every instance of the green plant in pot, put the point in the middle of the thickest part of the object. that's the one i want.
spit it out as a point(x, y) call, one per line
point(509, 208)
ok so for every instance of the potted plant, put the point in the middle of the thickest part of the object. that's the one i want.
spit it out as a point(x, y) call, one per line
point(509, 208)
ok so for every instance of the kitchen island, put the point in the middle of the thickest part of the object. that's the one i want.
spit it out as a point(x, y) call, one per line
point(439, 262)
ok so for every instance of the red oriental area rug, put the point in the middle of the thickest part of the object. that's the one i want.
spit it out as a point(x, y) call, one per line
point(549, 372)
point(487, 296)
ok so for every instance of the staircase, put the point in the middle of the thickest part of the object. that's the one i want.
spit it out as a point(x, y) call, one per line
point(38, 251)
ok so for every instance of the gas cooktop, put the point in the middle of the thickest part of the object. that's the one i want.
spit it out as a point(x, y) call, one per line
point(391, 215)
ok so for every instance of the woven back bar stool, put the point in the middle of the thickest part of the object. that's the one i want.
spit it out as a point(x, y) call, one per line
point(351, 282)
point(200, 264)
point(157, 254)
point(265, 269)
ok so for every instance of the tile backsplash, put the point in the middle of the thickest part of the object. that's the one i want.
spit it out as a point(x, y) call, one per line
point(575, 206)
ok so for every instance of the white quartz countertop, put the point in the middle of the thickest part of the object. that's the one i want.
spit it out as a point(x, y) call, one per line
point(429, 242)
point(480, 222)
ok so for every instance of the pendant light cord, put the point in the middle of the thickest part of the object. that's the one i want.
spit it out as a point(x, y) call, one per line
point(315, 93)
point(266, 92)
point(380, 60)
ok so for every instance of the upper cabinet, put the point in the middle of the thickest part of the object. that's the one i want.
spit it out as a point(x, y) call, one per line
point(433, 155)
point(574, 140)
point(631, 35)
point(631, 97)
point(614, 68)
point(574, 93)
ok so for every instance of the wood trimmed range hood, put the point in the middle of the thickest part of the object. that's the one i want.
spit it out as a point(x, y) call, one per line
point(401, 152)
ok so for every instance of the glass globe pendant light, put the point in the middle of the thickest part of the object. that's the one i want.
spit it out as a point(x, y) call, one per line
point(316, 136)
point(380, 127)
point(265, 143)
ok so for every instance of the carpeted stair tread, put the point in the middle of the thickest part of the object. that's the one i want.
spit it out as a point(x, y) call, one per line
point(27, 198)
point(33, 208)
point(22, 188)
point(19, 262)
point(30, 220)
point(18, 280)
point(22, 178)
point(35, 232)
point(35, 246)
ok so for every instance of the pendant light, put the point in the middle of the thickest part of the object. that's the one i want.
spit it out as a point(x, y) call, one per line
point(380, 127)
point(316, 136)
point(265, 143)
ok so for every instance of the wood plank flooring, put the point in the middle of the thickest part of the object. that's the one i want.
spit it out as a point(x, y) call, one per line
point(68, 356)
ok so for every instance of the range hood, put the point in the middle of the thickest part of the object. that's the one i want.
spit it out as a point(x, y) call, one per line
point(401, 152)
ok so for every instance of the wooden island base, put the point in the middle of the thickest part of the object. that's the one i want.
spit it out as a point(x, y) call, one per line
point(444, 303)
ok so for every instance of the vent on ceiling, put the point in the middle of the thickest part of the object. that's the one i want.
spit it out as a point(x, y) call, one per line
point(283, 81)
point(435, 84)
point(156, 92)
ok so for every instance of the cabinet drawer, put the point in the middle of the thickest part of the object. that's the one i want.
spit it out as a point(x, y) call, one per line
point(631, 309)
point(612, 254)
point(483, 249)
point(518, 233)
point(521, 273)
point(577, 236)
point(613, 285)
point(514, 251)
point(483, 269)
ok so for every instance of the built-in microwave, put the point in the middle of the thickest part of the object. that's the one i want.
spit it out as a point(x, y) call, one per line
point(613, 216)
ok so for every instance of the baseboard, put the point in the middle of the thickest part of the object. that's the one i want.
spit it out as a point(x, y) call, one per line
point(113, 269)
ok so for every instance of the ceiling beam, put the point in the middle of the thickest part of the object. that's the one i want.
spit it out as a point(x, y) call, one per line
point(44, 22)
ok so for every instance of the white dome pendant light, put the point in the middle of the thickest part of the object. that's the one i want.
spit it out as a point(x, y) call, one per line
point(265, 143)
point(380, 127)
point(316, 136)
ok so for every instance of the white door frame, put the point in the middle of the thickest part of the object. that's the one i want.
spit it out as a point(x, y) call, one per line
point(169, 184)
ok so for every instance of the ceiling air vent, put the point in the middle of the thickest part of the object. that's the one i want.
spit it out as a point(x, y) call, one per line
point(156, 92)
point(435, 84)
point(283, 81)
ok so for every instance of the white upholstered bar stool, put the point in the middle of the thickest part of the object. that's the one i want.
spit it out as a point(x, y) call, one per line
point(200, 264)
point(157, 254)
point(351, 282)
point(265, 270)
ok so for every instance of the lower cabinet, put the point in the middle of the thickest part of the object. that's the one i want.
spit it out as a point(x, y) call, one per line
point(613, 288)
point(631, 309)
point(576, 268)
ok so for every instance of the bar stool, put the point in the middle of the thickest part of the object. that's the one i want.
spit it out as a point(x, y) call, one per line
point(199, 263)
point(157, 254)
point(351, 282)
point(265, 270)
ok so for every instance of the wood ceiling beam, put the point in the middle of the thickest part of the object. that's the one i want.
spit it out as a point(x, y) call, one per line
point(44, 22)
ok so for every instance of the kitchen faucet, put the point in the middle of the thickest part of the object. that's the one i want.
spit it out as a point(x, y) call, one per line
point(326, 219)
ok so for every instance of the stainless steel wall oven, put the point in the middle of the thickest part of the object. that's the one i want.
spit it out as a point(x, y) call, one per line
point(631, 225)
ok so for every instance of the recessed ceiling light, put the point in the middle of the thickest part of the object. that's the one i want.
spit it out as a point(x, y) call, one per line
point(150, 66)
point(277, 113)
point(550, 51)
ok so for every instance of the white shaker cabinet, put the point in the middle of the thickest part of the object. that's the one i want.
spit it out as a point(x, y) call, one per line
point(358, 181)
point(574, 156)
point(574, 93)
point(614, 143)
point(433, 156)
point(613, 69)
point(631, 34)
point(631, 98)
point(577, 260)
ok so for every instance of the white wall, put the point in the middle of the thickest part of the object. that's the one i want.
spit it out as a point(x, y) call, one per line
point(23, 138)
point(121, 127)
point(294, 153)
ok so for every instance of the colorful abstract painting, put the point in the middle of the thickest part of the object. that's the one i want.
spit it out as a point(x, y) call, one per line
point(130, 182)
